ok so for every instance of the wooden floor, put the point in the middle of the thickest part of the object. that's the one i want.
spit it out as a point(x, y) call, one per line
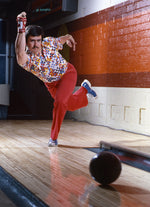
point(60, 176)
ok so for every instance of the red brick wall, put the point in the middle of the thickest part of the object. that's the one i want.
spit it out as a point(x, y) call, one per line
point(113, 45)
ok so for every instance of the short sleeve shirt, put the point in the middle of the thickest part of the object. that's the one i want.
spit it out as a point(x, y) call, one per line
point(48, 66)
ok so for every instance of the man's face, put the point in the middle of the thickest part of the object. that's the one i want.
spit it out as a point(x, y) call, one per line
point(34, 44)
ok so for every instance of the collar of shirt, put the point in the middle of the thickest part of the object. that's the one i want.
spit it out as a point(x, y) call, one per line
point(43, 52)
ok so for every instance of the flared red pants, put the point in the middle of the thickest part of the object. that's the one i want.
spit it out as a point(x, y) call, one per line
point(64, 98)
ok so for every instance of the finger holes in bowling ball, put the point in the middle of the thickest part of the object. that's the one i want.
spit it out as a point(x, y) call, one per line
point(105, 167)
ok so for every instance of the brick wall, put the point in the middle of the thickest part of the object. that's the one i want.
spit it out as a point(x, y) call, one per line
point(113, 45)
point(113, 52)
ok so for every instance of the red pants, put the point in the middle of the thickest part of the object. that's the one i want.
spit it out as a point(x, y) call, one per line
point(64, 100)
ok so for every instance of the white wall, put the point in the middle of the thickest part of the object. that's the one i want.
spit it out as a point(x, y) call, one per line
point(86, 7)
point(4, 94)
point(120, 108)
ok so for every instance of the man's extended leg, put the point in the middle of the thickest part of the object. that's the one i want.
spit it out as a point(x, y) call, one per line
point(64, 100)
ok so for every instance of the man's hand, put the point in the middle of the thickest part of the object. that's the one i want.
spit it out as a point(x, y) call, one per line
point(69, 40)
point(21, 22)
point(22, 14)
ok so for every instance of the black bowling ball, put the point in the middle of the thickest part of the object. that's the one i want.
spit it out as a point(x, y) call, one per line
point(105, 167)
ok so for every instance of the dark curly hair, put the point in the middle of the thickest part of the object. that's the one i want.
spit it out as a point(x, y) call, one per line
point(33, 30)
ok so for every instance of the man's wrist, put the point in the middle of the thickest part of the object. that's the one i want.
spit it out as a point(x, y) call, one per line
point(21, 24)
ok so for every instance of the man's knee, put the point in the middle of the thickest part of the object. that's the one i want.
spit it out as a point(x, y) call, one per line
point(59, 101)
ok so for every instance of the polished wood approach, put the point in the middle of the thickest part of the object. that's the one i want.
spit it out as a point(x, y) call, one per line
point(60, 176)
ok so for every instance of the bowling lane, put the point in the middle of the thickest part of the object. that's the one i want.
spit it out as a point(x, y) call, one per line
point(70, 178)
point(60, 177)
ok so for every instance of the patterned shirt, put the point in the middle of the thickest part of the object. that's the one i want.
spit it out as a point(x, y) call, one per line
point(50, 65)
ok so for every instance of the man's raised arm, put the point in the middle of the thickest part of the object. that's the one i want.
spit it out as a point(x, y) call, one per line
point(20, 43)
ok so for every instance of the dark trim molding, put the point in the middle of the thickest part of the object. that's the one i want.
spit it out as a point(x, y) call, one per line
point(140, 79)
